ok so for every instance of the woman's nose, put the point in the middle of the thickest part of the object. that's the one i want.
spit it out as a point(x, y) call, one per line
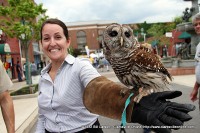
point(52, 41)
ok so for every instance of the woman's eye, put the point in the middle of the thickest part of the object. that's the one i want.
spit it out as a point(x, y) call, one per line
point(46, 39)
point(58, 37)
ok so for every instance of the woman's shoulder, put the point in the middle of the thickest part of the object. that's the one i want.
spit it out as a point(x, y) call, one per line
point(82, 60)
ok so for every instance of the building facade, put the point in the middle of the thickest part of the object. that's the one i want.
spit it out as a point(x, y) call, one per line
point(87, 34)
point(16, 51)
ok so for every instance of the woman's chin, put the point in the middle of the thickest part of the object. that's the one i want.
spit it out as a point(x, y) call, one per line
point(55, 57)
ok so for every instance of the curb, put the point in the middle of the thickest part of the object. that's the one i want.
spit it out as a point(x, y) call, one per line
point(25, 96)
point(28, 124)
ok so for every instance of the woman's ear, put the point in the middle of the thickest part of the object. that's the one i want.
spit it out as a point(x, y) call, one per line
point(40, 42)
point(68, 42)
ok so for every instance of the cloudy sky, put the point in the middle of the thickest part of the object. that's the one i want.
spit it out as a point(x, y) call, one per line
point(121, 11)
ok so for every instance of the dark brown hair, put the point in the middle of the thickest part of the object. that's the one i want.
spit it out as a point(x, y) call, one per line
point(58, 22)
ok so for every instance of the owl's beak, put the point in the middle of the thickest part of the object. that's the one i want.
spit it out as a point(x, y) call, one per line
point(122, 41)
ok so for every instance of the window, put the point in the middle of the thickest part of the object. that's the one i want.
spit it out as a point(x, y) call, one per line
point(100, 37)
point(81, 40)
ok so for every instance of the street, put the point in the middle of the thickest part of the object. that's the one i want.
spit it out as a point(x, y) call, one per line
point(110, 125)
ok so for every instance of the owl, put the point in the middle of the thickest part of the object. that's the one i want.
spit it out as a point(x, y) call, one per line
point(134, 65)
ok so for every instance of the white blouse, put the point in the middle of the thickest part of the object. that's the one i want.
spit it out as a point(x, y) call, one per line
point(61, 107)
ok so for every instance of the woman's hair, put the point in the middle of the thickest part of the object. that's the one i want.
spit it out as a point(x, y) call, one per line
point(195, 17)
point(58, 22)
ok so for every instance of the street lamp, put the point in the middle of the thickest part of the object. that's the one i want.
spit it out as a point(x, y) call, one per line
point(144, 34)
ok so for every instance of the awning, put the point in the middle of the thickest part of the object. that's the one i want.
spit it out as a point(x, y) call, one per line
point(4, 49)
point(184, 35)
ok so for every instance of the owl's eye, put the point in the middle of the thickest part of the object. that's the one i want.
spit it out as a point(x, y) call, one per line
point(113, 33)
point(127, 34)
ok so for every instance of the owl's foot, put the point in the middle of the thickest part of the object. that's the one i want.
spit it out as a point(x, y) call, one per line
point(142, 92)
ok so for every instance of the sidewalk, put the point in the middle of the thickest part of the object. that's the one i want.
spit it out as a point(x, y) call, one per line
point(26, 109)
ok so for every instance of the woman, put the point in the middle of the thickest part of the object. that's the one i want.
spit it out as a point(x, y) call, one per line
point(72, 92)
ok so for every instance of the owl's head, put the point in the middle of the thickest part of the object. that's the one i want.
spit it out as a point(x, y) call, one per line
point(118, 36)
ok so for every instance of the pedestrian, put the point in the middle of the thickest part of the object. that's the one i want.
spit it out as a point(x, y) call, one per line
point(24, 70)
point(194, 93)
point(101, 64)
point(33, 67)
point(19, 71)
point(72, 93)
point(6, 102)
point(106, 64)
point(95, 62)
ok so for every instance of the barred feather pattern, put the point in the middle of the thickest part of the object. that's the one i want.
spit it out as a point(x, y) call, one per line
point(135, 66)
point(132, 72)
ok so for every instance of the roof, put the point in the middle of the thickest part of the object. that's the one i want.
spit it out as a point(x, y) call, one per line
point(83, 23)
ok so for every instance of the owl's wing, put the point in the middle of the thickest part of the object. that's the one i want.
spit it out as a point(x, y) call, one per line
point(148, 61)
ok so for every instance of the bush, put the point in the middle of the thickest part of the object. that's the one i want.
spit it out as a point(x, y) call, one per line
point(25, 90)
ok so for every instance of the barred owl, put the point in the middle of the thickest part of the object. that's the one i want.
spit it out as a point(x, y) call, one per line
point(134, 65)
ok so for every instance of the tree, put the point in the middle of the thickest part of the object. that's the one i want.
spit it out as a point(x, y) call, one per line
point(177, 20)
point(22, 19)
point(142, 26)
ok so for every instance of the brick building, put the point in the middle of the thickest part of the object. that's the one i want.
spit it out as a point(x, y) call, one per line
point(87, 34)
point(16, 53)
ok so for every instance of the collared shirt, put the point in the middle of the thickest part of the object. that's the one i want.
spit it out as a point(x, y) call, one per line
point(197, 68)
point(5, 82)
point(197, 54)
point(61, 107)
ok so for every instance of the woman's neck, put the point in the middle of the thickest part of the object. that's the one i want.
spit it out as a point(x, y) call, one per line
point(54, 69)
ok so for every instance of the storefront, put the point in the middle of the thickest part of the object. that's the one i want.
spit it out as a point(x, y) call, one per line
point(6, 58)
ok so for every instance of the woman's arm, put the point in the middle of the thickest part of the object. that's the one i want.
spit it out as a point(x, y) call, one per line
point(8, 111)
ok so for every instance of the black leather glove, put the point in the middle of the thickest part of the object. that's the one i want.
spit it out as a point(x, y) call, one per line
point(153, 110)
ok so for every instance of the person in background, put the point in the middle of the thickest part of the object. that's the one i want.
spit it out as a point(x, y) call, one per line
point(101, 64)
point(194, 93)
point(24, 70)
point(6, 102)
point(72, 93)
point(106, 64)
point(33, 67)
point(19, 71)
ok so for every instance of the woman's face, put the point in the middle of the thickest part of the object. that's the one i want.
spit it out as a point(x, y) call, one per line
point(197, 26)
point(54, 42)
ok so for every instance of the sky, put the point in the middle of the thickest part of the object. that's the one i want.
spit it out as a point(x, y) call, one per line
point(120, 11)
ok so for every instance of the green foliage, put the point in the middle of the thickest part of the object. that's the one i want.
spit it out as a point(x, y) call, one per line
point(70, 50)
point(177, 20)
point(25, 90)
point(156, 30)
point(145, 27)
point(20, 18)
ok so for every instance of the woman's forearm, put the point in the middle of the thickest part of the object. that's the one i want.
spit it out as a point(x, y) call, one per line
point(8, 112)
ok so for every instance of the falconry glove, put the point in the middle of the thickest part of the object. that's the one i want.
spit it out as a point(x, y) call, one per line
point(104, 97)
point(159, 114)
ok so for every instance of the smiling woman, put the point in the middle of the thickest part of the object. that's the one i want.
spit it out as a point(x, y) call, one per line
point(72, 93)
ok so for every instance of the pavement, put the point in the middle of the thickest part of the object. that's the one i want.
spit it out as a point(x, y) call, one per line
point(26, 107)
